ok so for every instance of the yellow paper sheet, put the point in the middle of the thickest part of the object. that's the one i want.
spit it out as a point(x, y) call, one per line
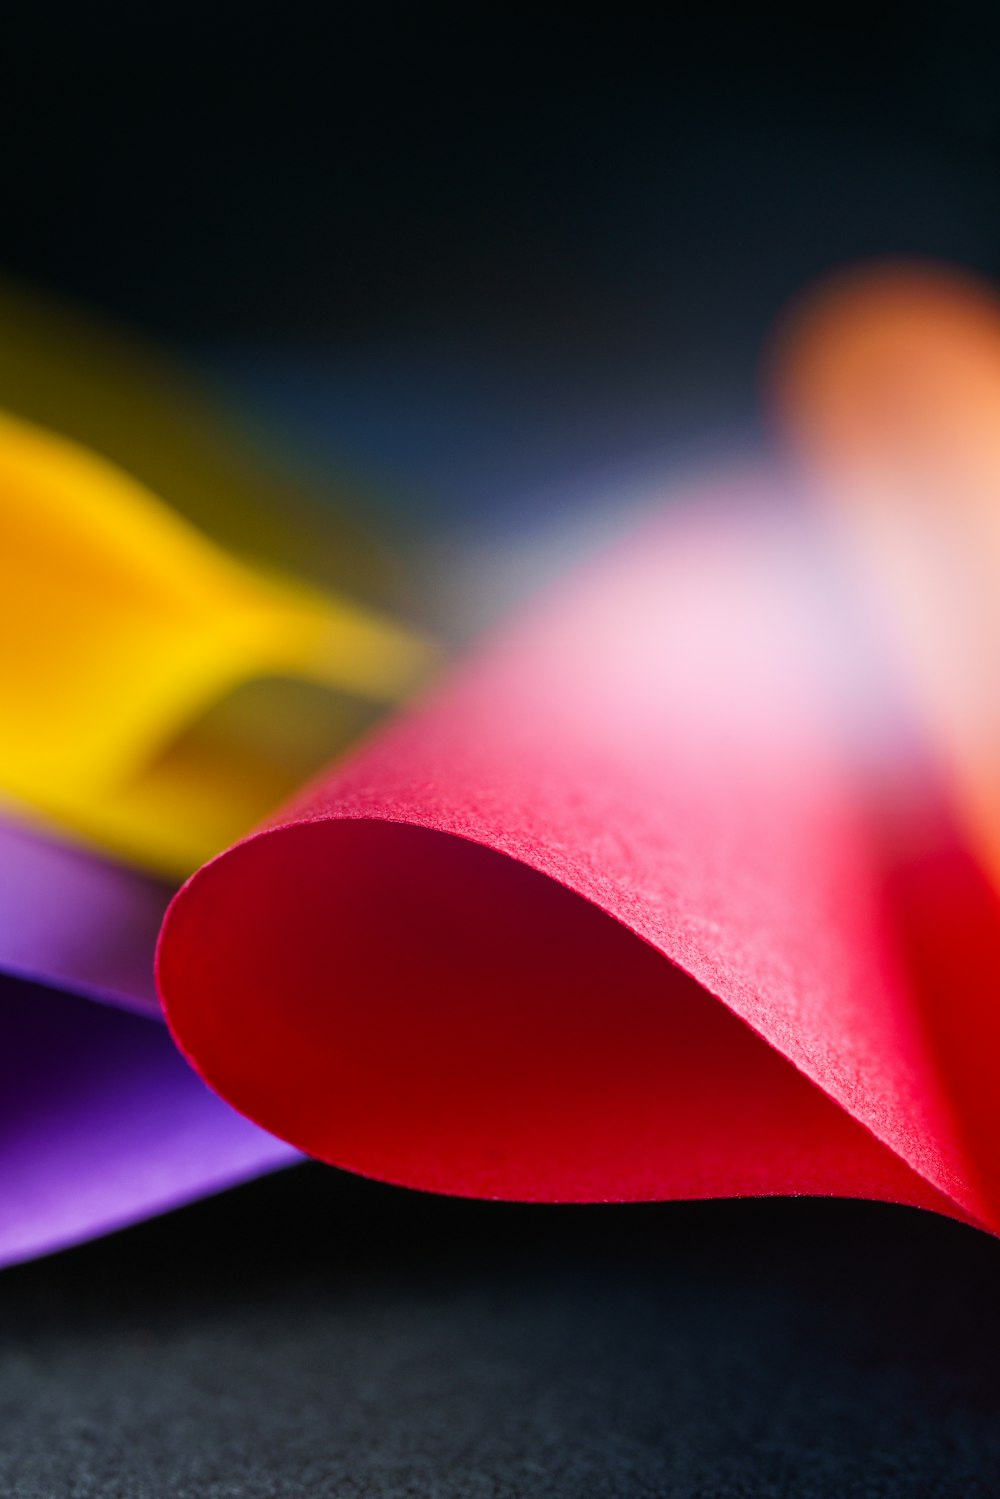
point(124, 628)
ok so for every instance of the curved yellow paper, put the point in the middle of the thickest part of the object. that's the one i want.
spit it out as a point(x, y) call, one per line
point(122, 627)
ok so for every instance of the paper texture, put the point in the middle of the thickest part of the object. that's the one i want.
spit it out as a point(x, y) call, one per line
point(629, 909)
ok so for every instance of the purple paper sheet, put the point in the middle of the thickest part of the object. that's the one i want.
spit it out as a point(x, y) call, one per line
point(74, 921)
point(102, 1122)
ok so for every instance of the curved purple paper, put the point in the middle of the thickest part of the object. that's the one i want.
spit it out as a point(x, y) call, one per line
point(75, 921)
point(102, 1122)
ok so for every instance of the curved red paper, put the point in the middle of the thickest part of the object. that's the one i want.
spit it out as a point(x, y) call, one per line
point(623, 912)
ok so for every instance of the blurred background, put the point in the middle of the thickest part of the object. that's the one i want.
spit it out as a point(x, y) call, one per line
point(483, 278)
point(484, 271)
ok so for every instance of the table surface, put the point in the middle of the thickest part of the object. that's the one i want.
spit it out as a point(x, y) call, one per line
point(317, 1335)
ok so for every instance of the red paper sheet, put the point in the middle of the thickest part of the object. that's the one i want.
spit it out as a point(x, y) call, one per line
point(633, 907)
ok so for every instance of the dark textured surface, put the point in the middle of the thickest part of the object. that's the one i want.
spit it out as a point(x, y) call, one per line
point(318, 1336)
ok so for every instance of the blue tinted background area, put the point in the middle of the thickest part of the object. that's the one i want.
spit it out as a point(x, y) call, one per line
point(487, 473)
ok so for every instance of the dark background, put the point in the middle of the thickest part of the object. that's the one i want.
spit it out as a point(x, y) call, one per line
point(493, 254)
point(598, 183)
point(487, 251)
point(318, 1336)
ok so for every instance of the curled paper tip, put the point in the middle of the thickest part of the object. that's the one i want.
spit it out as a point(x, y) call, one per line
point(605, 918)
point(684, 885)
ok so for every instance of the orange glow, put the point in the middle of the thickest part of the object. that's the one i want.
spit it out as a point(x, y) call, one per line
point(887, 386)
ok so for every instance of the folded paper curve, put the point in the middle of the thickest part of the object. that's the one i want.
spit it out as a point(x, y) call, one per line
point(627, 910)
